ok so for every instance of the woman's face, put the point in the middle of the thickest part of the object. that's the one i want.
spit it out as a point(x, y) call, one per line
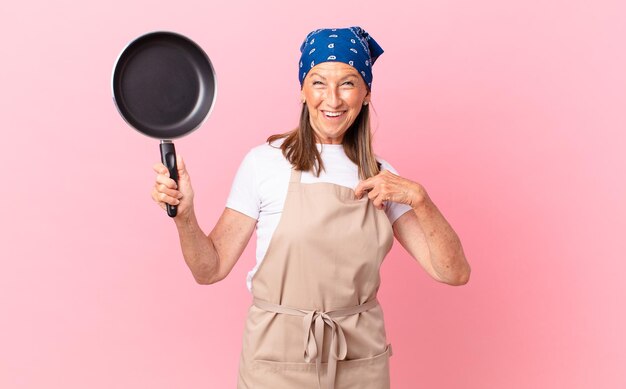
point(334, 93)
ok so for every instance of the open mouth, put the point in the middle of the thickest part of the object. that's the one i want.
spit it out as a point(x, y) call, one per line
point(333, 114)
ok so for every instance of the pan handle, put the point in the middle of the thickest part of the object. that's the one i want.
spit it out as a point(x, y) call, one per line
point(168, 157)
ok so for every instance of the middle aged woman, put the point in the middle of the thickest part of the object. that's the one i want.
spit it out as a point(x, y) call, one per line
point(325, 209)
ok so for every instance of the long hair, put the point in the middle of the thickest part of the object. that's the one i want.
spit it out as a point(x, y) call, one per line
point(300, 150)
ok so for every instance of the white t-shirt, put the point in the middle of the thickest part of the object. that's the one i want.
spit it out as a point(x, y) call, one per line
point(260, 188)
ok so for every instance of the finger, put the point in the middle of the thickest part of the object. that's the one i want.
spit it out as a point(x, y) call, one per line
point(161, 169)
point(170, 192)
point(362, 187)
point(372, 194)
point(165, 180)
point(180, 163)
point(155, 195)
point(168, 199)
point(379, 202)
point(155, 198)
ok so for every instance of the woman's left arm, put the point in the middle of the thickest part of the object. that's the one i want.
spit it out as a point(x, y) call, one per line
point(423, 232)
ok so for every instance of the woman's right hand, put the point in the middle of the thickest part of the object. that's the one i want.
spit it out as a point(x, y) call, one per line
point(165, 189)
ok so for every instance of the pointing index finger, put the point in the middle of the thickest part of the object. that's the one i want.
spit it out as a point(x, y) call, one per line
point(362, 187)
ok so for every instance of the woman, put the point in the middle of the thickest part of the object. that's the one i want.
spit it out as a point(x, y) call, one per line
point(315, 321)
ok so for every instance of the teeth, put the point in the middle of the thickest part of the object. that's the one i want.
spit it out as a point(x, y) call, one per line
point(333, 114)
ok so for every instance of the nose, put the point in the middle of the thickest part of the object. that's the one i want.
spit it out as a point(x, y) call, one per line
point(333, 99)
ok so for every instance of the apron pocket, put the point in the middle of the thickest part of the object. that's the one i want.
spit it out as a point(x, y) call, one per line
point(281, 375)
point(365, 373)
point(362, 373)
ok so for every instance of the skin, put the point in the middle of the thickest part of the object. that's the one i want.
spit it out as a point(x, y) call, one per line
point(332, 87)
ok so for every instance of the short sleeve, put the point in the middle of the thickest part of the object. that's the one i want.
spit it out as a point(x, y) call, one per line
point(244, 193)
point(393, 210)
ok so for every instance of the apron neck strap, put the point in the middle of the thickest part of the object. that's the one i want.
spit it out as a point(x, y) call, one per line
point(295, 176)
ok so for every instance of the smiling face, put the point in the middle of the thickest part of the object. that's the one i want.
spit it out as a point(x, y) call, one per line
point(334, 93)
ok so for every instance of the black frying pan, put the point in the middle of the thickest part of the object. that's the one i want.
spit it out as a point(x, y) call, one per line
point(164, 86)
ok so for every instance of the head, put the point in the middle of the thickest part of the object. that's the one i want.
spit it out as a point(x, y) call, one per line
point(336, 79)
point(334, 94)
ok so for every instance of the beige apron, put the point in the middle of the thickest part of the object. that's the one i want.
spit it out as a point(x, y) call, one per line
point(315, 321)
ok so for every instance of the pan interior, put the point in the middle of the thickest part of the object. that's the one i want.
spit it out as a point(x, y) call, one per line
point(164, 85)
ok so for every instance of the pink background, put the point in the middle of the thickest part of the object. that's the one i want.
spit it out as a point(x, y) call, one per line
point(510, 113)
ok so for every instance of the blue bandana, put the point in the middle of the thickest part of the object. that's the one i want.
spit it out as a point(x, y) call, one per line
point(352, 46)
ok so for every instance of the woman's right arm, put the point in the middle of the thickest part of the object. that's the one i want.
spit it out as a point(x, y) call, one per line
point(209, 257)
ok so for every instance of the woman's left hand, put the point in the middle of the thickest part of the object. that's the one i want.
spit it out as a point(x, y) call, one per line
point(386, 186)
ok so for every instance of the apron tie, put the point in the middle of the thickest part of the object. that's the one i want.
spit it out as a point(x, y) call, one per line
point(313, 323)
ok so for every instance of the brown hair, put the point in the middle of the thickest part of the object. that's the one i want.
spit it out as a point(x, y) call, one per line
point(300, 150)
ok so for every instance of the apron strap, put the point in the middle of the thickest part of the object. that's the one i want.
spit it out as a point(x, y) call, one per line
point(295, 176)
point(313, 323)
